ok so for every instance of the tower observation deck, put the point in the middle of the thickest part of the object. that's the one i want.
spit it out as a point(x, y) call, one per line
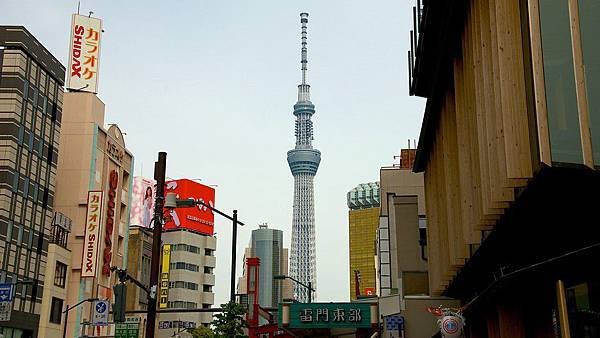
point(304, 163)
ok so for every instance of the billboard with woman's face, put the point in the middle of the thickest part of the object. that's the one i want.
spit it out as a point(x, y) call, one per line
point(142, 206)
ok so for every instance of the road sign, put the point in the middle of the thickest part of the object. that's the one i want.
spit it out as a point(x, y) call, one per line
point(100, 313)
point(6, 292)
point(129, 329)
point(326, 315)
point(5, 310)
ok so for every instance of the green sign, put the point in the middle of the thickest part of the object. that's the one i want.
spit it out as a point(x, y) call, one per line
point(325, 315)
point(129, 329)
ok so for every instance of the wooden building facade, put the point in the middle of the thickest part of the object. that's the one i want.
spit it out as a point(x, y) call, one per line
point(510, 149)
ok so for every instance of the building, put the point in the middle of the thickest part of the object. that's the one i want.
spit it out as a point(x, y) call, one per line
point(304, 162)
point(31, 100)
point(93, 188)
point(59, 261)
point(510, 148)
point(363, 219)
point(139, 257)
point(403, 285)
point(267, 245)
point(190, 234)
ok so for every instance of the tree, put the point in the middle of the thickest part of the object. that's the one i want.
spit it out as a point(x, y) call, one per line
point(201, 332)
point(230, 322)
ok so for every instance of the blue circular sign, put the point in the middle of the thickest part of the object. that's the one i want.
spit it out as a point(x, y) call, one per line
point(101, 307)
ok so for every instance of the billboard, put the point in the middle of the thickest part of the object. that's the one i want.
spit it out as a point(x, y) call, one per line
point(142, 201)
point(84, 53)
point(198, 219)
point(91, 237)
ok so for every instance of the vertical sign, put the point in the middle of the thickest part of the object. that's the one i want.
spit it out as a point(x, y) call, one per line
point(84, 53)
point(164, 276)
point(100, 313)
point(92, 234)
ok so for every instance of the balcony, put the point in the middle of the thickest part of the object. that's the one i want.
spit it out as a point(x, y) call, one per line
point(209, 279)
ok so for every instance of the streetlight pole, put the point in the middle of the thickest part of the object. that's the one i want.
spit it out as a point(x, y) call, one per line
point(233, 257)
point(69, 308)
point(160, 168)
point(308, 287)
point(172, 202)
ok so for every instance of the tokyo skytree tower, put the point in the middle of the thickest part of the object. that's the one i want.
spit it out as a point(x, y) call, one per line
point(304, 162)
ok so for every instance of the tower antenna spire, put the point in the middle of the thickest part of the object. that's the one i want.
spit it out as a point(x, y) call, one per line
point(304, 88)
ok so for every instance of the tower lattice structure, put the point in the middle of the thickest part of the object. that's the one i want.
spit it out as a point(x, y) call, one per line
point(304, 163)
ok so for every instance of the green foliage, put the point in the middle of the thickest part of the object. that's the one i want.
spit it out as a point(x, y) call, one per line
point(230, 322)
point(201, 332)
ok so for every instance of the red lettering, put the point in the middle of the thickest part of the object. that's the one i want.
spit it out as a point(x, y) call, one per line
point(113, 183)
point(76, 54)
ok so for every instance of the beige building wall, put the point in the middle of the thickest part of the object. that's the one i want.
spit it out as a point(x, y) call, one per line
point(88, 154)
point(180, 295)
point(46, 328)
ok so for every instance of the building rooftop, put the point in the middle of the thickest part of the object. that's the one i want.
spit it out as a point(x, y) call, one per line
point(365, 195)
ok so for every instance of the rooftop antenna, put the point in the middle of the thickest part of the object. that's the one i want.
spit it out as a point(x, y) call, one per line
point(78, 6)
point(304, 88)
point(90, 15)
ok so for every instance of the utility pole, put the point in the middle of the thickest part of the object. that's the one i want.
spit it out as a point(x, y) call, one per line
point(233, 257)
point(160, 168)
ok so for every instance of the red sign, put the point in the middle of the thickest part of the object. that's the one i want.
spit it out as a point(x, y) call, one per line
point(370, 291)
point(113, 183)
point(199, 219)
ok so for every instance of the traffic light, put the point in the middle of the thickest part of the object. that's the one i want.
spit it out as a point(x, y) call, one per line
point(120, 291)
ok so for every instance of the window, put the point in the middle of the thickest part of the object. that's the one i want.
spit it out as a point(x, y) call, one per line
point(208, 269)
point(184, 266)
point(208, 252)
point(56, 310)
point(207, 288)
point(60, 274)
point(563, 118)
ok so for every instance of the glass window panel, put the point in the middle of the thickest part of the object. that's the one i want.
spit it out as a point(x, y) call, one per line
point(589, 23)
point(561, 98)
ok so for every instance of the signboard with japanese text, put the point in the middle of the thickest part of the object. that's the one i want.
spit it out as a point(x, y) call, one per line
point(92, 234)
point(199, 219)
point(100, 313)
point(163, 297)
point(5, 311)
point(325, 315)
point(129, 329)
point(84, 53)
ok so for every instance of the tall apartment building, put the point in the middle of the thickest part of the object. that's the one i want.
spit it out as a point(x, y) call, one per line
point(94, 162)
point(31, 98)
point(190, 234)
point(510, 150)
point(363, 219)
point(191, 280)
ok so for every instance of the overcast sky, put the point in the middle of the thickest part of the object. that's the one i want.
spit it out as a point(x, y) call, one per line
point(213, 84)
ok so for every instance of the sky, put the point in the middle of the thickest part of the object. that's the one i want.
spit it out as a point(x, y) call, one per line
point(213, 84)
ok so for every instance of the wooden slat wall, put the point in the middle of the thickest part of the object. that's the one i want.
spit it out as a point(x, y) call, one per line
point(481, 151)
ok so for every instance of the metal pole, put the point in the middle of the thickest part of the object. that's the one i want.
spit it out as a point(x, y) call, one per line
point(160, 168)
point(66, 321)
point(233, 256)
point(309, 291)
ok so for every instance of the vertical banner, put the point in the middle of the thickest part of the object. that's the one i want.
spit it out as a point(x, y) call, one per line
point(92, 234)
point(84, 53)
point(164, 276)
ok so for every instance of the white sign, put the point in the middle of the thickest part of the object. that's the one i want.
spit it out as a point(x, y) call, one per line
point(91, 237)
point(100, 313)
point(84, 53)
point(5, 310)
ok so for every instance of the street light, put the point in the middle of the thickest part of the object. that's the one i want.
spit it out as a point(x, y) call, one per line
point(171, 202)
point(308, 287)
point(66, 312)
